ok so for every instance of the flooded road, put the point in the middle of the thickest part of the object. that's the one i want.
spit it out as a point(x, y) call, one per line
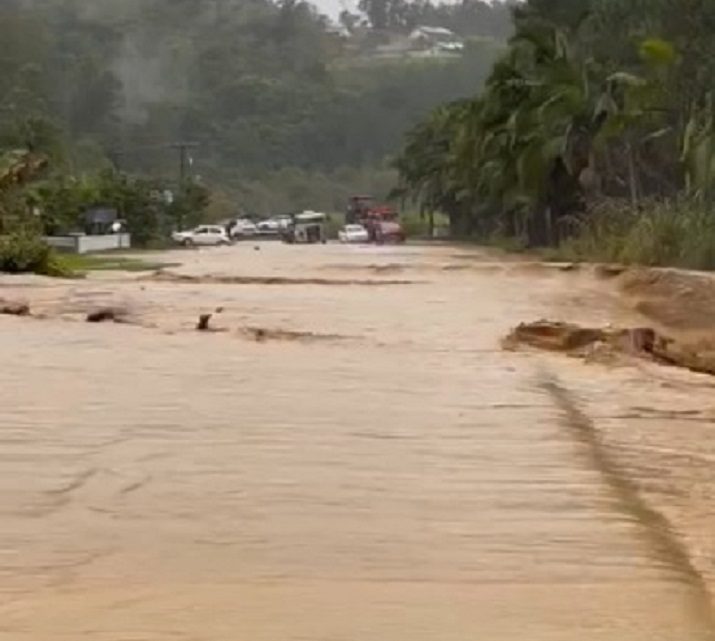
point(352, 458)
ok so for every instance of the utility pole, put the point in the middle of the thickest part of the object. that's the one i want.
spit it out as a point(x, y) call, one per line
point(116, 157)
point(183, 148)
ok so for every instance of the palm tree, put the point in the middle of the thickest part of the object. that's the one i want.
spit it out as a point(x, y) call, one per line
point(564, 103)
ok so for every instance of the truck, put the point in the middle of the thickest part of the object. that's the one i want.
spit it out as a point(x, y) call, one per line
point(307, 227)
point(380, 220)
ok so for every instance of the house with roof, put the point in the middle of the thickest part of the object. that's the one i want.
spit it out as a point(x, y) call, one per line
point(437, 39)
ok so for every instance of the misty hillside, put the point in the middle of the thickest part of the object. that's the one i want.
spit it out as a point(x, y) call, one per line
point(286, 112)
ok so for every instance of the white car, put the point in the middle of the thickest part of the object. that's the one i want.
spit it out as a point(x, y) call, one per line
point(283, 221)
point(353, 234)
point(243, 228)
point(270, 226)
point(202, 235)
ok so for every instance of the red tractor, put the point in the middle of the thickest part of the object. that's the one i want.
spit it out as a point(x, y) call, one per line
point(381, 221)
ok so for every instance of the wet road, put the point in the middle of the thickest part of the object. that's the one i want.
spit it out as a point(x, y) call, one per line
point(374, 468)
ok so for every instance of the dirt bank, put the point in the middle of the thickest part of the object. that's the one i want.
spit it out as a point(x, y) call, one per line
point(678, 305)
point(677, 300)
point(607, 344)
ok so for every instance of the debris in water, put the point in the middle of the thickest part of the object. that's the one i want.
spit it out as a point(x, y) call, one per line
point(259, 334)
point(11, 308)
point(553, 336)
point(262, 334)
point(567, 267)
point(204, 324)
point(609, 270)
point(105, 314)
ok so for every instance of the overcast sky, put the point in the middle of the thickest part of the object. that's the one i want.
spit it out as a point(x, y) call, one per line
point(334, 7)
point(331, 7)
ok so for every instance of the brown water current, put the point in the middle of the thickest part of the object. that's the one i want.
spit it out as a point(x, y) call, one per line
point(349, 456)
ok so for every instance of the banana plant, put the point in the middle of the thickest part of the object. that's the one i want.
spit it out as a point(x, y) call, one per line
point(18, 167)
point(698, 150)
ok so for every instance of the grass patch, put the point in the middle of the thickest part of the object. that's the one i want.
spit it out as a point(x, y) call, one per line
point(81, 264)
point(661, 234)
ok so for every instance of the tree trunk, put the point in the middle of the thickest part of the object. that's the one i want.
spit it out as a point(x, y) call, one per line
point(632, 175)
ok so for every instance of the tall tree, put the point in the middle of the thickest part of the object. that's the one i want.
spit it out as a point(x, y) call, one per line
point(594, 99)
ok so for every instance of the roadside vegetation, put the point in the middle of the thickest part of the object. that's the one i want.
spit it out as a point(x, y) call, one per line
point(38, 198)
point(23, 252)
point(285, 111)
point(594, 136)
point(658, 234)
point(278, 109)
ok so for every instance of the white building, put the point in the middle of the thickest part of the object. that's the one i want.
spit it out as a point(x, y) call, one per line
point(436, 37)
point(436, 41)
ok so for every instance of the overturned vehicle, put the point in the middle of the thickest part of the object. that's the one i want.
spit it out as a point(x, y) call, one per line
point(307, 227)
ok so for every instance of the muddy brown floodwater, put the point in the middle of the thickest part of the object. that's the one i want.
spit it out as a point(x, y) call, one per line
point(350, 456)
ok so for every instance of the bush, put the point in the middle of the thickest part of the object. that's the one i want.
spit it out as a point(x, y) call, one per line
point(417, 225)
point(678, 234)
point(28, 253)
point(414, 225)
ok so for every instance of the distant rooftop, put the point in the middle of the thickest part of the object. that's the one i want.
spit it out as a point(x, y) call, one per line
point(434, 31)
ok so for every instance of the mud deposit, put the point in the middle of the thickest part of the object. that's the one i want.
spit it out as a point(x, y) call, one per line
point(339, 462)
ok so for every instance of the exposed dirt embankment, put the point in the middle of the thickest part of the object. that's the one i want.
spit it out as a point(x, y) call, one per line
point(679, 305)
point(679, 301)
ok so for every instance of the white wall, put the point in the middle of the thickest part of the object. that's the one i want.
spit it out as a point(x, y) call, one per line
point(80, 244)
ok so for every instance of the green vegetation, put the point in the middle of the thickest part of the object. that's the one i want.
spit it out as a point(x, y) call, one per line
point(284, 112)
point(679, 233)
point(592, 129)
point(237, 106)
point(36, 201)
point(595, 132)
point(60, 202)
point(77, 265)
point(25, 252)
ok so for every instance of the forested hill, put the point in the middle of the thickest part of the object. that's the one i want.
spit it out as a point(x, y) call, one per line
point(286, 110)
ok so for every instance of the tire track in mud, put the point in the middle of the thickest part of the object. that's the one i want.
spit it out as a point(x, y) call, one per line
point(656, 531)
